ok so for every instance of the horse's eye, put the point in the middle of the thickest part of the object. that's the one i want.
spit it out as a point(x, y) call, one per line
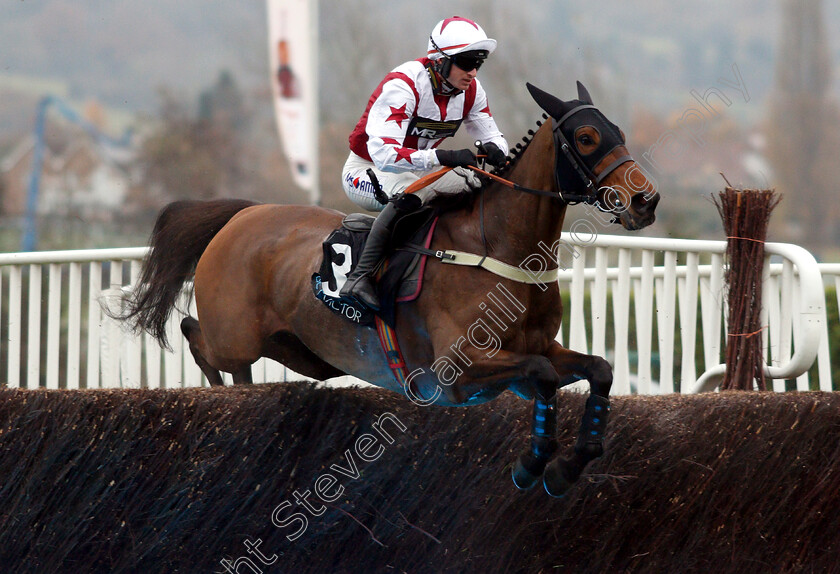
point(586, 140)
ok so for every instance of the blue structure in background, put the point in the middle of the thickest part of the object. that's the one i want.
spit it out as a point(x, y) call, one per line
point(30, 233)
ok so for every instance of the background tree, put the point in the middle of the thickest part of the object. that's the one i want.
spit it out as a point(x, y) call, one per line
point(183, 156)
point(217, 148)
point(802, 140)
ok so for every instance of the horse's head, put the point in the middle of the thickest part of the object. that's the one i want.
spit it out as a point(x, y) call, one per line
point(592, 164)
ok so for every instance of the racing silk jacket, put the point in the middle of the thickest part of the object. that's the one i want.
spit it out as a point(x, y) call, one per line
point(404, 120)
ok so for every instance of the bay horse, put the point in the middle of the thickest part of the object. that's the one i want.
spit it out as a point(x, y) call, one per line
point(252, 266)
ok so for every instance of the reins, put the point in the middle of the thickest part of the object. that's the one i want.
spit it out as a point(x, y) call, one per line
point(429, 179)
point(562, 146)
point(516, 186)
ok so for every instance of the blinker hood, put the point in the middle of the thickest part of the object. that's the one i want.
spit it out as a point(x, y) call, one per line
point(567, 118)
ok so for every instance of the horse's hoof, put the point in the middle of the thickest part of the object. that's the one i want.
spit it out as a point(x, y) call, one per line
point(523, 479)
point(557, 478)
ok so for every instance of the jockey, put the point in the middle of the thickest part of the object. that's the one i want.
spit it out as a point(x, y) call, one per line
point(413, 110)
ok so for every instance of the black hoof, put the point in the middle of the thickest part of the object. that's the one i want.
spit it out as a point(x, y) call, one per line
point(187, 325)
point(523, 479)
point(559, 478)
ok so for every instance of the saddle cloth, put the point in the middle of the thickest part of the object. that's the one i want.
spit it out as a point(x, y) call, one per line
point(400, 277)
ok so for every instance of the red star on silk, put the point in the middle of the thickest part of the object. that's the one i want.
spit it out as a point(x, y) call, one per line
point(398, 115)
point(402, 153)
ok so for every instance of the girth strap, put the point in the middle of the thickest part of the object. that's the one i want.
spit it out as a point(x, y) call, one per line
point(391, 348)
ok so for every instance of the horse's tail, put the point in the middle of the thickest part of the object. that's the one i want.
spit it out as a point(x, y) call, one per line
point(181, 234)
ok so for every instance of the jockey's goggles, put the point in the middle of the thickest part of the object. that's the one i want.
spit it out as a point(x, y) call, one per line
point(467, 63)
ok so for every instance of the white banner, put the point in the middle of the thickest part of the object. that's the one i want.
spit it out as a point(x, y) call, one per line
point(293, 60)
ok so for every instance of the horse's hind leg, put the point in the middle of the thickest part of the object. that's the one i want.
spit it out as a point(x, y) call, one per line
point(243, 376)
point(287, 349)
point(192, 332)
point(561, 473)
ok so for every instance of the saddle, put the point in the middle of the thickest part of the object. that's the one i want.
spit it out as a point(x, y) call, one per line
point(400, 277)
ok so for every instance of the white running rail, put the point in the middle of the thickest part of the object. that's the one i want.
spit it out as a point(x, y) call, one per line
point(651, 288)
point(54, 333)
point(663, 280)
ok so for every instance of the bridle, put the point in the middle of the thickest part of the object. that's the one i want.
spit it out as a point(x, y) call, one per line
point(584, 169)
point(585, 188)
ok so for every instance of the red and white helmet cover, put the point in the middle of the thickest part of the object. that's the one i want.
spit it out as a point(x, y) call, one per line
point(456, 35)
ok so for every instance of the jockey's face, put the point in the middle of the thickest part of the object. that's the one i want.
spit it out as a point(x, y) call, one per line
point(461, 79)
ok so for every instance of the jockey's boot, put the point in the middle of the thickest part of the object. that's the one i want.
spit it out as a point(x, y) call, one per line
point(360, 283)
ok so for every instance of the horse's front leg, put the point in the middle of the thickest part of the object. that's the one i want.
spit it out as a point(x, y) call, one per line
point(538, 378)
point(572, 366)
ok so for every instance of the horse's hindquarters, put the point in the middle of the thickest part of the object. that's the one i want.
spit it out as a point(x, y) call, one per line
point(253, 289)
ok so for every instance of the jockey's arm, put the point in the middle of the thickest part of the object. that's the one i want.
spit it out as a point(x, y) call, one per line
point(480, 123)
point(387, 124)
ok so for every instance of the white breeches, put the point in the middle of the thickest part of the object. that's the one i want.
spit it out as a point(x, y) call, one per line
point(359, 189)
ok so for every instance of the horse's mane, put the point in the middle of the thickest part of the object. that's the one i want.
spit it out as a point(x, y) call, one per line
point(517, 151)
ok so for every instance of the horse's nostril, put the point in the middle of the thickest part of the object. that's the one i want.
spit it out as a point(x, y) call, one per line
point(646, 203)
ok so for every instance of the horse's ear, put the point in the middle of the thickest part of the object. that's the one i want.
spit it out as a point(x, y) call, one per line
point(583, 94)
point(554, 106)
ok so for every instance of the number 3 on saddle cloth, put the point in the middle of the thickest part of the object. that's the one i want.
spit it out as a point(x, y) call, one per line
point(400, 277)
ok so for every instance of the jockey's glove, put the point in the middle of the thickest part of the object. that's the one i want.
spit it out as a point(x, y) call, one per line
point(456, 157)
point(495, 156)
